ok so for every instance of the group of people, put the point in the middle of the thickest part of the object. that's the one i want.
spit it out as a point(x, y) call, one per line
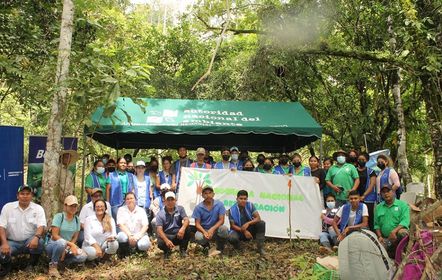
point(130, 202)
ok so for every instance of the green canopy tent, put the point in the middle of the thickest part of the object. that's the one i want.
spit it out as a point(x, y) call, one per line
point(171, 123)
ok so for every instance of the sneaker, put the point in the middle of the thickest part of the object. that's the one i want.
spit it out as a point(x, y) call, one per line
point(183, 253)
point(214, 252)
point(325, 250)
point(206, 250)
point(53, 271)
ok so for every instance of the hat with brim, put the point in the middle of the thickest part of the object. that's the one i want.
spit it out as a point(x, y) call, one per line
point(94, 191)
point(73, 156)
point(389, 187)
point(335, 154)
point(24, 187)
point(169, 194)
point(71, 200)
point(200, 151)
point(207, 188)
point(234, 148)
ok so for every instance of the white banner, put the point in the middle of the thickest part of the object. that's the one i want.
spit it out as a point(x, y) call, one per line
point(269, 193)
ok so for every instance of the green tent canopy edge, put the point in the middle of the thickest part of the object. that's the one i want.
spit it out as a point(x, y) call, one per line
point(172, 123)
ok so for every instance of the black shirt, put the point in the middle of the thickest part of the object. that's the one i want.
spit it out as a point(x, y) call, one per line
point(363, 180)
point(320, 174)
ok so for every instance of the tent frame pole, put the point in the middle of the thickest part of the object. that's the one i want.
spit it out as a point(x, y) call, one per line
point(321, 151)
point(83, 171)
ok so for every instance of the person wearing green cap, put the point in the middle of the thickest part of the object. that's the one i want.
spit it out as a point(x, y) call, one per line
point(22, 225)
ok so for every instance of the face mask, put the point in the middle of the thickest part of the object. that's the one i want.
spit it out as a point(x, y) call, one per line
point(260, 160)
point(361, 163)
point(353, 159)
point(226, 157)
point(154, 168)
point(381, 166)
point(104, 160)
point(111, 169)
point(267, 166)
point(283, 161)
point(248, 169)
point(297, 164)
point(100, 170)
point(341, 159)
point(331, 204)
point(235, 157)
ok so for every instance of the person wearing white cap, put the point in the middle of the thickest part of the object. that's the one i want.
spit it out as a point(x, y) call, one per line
point(142, 188)
point(158, 204)
point(200, 163)
point(133, 223)
point(62, 245)
point(172, 226)
point(234, 155)
point(22, 225)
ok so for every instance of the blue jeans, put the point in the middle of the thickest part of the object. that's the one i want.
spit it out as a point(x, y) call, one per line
point(20, 247)
point(328, 238)
point(55, 250)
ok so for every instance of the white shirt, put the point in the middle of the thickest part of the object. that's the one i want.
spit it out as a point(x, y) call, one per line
point(21, 224)
point(134, 220)
point(351, 218)
point(93, 231)
point(155, 205)
point(88, 210)
point(141, 187)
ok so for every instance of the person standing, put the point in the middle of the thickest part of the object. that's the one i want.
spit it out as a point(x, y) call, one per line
point(96, 179)
point(234, 155)
point(387, 176)
point(283, 166)
point(172, 226)
point(165, 175)
point(341, 178)
point(366, 188)
point(246, 223)
point(200, 163)
point(299, 169)
point(142, 190)
point(260, 160)
point(225, 162)
point(183, 161)
point(209, 221)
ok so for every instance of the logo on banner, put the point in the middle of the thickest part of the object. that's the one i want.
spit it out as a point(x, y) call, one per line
point(199, 180)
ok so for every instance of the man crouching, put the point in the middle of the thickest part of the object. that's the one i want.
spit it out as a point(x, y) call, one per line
point(245, 223)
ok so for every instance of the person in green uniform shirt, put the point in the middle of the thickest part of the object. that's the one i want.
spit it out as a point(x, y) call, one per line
point(342, 177)
point(298, 168)
point(96, 179)
point(391, 220)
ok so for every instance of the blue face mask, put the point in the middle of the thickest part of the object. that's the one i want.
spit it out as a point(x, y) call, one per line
point(331, 204)
point(341, 159)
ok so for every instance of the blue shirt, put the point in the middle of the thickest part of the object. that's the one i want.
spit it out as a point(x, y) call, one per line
point(171, 223)
point(222, 165)
point(209, 218)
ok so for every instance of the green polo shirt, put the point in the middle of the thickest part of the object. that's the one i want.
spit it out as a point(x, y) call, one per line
point(388, 217)
point(89, 184)
point(301, 171)
point(343, 176)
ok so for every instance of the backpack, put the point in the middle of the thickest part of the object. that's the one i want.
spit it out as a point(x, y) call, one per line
point(49, 232)
point(415, 264)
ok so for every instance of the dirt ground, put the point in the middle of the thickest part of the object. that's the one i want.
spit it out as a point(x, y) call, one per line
point(283, 260)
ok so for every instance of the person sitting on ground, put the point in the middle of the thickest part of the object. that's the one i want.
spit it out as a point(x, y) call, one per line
point(100, 233)
point(234, 155)
point(172, 226)
point(62, 247)
point(133, 223)
point(95, 179)
point(248, 165)
point(22, 225)
point(353, 216)
point(298, 168)
point(245, 223)
point(328, 236)
point(392, 220)
point(283, 166)
point(209, 221)
point(200, 163)
point(225, 163)
point(342, 177)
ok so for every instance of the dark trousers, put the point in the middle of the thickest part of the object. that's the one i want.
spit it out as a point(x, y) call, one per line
point(370, 207)
point(257, 230)
point(177, 242)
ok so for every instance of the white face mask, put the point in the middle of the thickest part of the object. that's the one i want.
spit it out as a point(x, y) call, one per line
point(341, 159)
point(331, 204)
point(234, 157)
point(100, 170)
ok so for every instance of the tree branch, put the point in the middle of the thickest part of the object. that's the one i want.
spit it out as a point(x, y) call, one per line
point(235, 31)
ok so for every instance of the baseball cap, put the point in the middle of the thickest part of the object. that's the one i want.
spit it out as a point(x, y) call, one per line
point(207, 187)
point(200, 150)
point(96, 190)
point(165, 186)
point(24, 187)
point(169, 194)
point(234, 148)
point(70, 200)
point(140, 163)
point(387, 186)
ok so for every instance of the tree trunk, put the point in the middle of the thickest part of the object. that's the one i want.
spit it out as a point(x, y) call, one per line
point(51, 169)
point(433, 102)
point(401, 133)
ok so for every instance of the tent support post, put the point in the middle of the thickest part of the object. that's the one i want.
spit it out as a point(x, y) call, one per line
point(83, 171)
point(321, 151)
